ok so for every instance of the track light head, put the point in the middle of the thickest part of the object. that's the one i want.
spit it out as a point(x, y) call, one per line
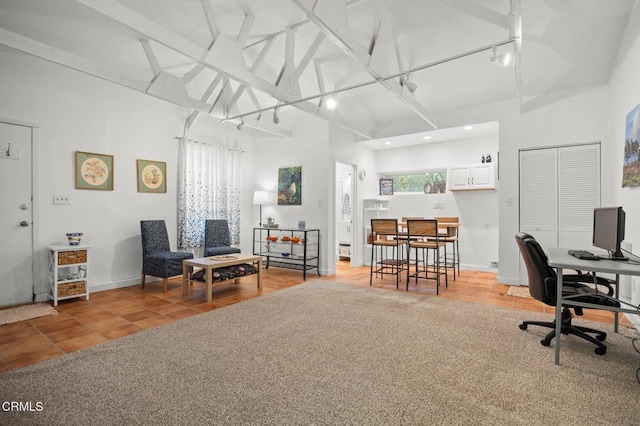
point(504, 59)
point(331, 102)
point(240, 125)
point(276, 118)
point(405, 81)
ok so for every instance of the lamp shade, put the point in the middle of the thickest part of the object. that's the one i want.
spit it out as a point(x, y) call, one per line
point(260, 197)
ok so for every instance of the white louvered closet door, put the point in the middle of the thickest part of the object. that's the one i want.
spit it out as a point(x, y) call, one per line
point(578, 194)
point(559, 188)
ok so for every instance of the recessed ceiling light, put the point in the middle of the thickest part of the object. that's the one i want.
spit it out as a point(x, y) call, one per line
point(426, 138)
point(468, 127)
point(388, 143)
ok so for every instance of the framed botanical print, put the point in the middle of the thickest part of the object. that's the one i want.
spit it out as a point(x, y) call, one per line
point(94, 171)
point(152, 176)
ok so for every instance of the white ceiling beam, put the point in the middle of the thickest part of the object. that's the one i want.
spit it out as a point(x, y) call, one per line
point(317, 42)
point(192, 73)
point(245, 29)
point(60, 57)
point(223, 47)
point(225, 56)
point(205, 98)
point(153, 61)
point(259, 59)
point(209, 15)
point(331, 17)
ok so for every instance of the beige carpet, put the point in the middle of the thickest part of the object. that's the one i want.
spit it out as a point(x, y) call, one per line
point(326, 353)
point(519, 291)
point(26, 312)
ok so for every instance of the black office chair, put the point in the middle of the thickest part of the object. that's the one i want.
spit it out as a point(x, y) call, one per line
point(583, 288)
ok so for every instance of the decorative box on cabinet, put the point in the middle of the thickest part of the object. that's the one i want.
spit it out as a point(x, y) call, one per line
point(68, 272)
point(288, 248)
point(472, 177)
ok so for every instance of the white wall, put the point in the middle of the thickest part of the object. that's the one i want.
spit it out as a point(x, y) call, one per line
point(345, 149)
point(561, 119)
point(477, 210)
point(77, 112)
point(623, 96)
point(307, 147)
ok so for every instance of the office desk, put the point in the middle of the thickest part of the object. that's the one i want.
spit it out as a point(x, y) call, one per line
point(560, 259)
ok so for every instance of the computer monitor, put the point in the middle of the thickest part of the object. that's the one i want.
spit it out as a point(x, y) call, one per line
point(608, 230)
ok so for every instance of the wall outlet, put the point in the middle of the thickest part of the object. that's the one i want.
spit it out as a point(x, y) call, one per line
point(61, 199)
point(438, 205)
point(493, 264)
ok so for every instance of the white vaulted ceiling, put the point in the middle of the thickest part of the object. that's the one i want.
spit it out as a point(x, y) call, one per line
point(233, 58)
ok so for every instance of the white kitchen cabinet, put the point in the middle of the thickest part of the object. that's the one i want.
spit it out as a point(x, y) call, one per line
point(472, 177)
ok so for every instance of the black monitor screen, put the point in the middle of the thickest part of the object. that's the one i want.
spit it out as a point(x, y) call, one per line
point(608, 229)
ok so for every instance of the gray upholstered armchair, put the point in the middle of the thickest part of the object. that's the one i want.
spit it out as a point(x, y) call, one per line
point(217, 239)
point(157, 258)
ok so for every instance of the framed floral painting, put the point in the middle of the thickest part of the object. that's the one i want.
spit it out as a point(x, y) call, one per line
point(94, 171)
point(152, 176)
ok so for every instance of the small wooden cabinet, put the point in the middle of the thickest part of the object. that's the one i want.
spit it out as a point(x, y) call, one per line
point(68, 272)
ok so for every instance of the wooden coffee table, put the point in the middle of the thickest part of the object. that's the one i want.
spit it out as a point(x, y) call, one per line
point(214, 262)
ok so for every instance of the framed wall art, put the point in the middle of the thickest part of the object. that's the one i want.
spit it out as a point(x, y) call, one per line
point(152, 176)
point(94, 171)
point(386, 186)
point(631, 160)
point(290, 186)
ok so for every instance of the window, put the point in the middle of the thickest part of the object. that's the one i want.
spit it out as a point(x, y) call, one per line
point(430, 182)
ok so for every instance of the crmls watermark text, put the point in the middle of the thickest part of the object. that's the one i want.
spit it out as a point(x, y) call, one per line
point(22, 406)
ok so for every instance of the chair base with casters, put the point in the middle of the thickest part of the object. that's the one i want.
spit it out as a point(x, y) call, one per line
point(568, 328)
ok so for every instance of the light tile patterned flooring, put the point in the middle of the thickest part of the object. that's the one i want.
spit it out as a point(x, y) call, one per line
point(112, 314)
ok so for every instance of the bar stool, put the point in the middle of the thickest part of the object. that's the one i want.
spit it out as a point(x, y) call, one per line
point(423, 236)
point(452, 226)
point(386, 239)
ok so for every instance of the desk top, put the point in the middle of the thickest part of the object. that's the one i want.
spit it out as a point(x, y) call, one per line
point(560, 258)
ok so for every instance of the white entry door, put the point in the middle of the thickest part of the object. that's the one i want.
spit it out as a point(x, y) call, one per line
point(16, 215)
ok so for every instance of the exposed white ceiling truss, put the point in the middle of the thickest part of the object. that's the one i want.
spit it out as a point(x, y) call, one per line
point(370, 52)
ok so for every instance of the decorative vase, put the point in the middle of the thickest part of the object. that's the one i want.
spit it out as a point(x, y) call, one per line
point(74, 238)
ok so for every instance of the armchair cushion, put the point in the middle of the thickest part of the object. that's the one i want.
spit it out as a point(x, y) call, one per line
point(217, 239)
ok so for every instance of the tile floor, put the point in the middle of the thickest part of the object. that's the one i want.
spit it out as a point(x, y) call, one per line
point(116, 313)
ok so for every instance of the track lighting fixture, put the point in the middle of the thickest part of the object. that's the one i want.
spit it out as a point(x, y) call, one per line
point(406, 82)
point(504, 59)
point(240, 124)
point(276, 118)
point(331, 102)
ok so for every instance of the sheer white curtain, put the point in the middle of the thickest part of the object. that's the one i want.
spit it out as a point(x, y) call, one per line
point(208, 188)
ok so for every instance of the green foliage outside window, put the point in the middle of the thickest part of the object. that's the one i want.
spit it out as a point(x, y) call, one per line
point(434, 182)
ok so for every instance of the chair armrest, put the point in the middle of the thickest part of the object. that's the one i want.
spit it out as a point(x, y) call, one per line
point(590, 279)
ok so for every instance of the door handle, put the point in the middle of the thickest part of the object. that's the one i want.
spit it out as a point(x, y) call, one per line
point(24, 223)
